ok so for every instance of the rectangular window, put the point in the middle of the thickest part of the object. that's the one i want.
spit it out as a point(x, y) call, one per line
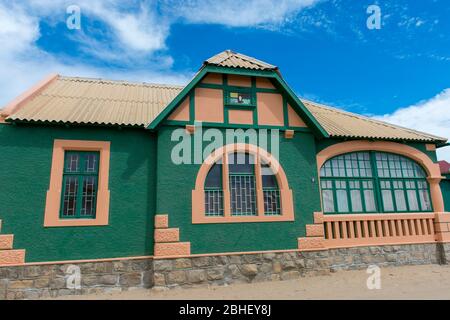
point(240, 97)
point(80, 184)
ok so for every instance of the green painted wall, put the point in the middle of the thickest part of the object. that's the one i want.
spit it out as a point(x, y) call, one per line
point(25, 157)
point(445, 187)
point(175, 183)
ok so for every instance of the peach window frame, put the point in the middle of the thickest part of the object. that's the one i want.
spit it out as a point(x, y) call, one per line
point(432, 169)
point(198, 198)
point(53, 200)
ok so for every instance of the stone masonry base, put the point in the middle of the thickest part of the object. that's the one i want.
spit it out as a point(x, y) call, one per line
point(50, 280)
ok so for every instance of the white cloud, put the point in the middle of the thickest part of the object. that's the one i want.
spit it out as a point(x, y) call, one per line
point(134, 38)
point(431, 116)
point(242, 14)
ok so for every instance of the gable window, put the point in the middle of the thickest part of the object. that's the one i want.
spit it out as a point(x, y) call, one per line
point(242, 183)
point(240, 97)
point(364, 182)
point(80, 183)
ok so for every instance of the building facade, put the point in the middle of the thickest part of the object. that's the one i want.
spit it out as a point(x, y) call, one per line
point(234, 162)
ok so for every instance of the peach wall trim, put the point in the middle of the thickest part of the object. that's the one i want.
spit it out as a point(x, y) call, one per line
point(432, 169)
point(53, 200)
point(209, 105)
point(15, 105)
point(213, 78)
point(198, 202)
point(289, 134)
point(239, 81)
point(182, 112)
point(294, 118)
point(167, 240)
point(264, 83)
point(430, 147)
point(238, 116)
point(270, 109)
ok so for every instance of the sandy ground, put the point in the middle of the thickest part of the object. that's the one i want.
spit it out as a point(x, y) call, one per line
point(409, 282)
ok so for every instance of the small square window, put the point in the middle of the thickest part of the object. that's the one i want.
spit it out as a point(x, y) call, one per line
point(240, 98)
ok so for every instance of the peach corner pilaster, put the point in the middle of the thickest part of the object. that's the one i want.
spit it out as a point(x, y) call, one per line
point(6, 241)
point(12, 257)
point(167, 240)
point(442, 227)
point(436, 194)
point(315, 235)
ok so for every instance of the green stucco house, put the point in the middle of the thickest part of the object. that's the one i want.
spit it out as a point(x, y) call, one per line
point(233, 162)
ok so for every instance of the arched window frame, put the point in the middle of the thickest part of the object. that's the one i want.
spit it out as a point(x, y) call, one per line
point(432, 169)
point(198, 194)
point(374, 181)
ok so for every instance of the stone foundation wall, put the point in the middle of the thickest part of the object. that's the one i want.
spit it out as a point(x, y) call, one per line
point(228, 269)
point(52, 280)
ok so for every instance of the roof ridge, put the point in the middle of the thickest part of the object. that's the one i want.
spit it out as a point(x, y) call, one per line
point(124, 82)
point(366, 118)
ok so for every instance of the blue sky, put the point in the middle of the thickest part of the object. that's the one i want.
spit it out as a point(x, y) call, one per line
point(399, 73)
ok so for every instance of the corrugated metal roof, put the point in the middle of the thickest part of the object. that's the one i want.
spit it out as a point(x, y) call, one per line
point(96, 101)
point(232, 59)
point(340, 123)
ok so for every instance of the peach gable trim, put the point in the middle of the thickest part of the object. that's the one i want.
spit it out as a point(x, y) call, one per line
point(430, 147)
point(209, 105)
point(294, 118)
point(264, 83)
point(14, 105)
point(237, 116)
point(198, 202)
point(432, 169)
point(270, 109)
point(213, 78)
point(53, 200)
point(239, 81)
point(182, 112)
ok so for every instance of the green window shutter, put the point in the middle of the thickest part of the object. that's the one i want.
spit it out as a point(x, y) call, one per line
point(80, 185)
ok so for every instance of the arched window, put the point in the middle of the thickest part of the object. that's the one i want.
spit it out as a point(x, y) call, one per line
point(364, 182)
point(242, 183)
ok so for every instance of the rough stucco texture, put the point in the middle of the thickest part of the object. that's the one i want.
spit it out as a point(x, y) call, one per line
point(297, 157)
point(25, 156)
point(445, 187)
